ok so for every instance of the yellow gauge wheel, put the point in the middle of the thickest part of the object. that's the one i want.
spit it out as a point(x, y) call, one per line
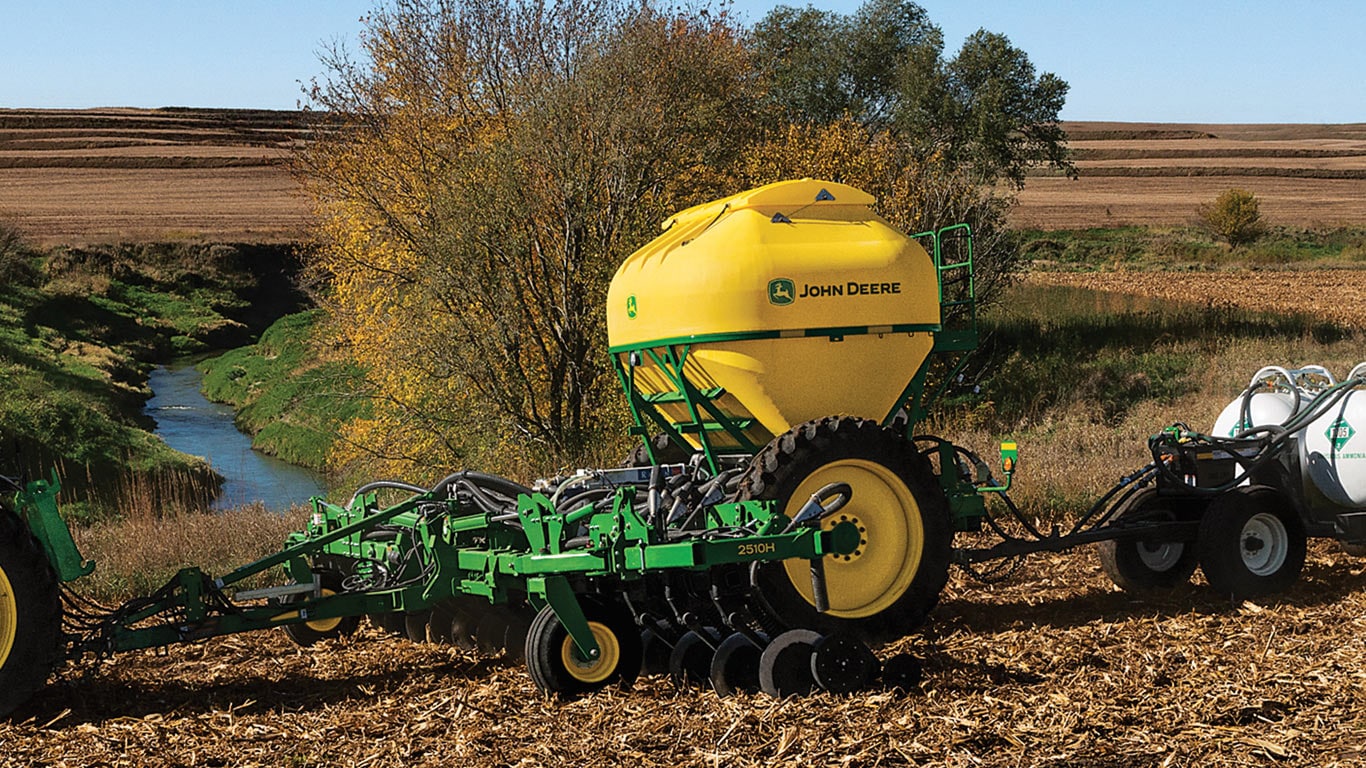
point(325, 625)
point(874, 576)
point(9, 617)
point(595, 670)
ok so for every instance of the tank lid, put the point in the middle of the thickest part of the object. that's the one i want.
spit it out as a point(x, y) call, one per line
point(794, 195)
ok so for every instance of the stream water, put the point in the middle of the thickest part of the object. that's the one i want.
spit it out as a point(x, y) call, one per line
point(191, 424)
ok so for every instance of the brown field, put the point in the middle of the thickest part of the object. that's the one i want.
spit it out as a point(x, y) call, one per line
point(1053, 668)
point(81, 176)
point(1332, 295)
point(76, 176)
point(1159, 174)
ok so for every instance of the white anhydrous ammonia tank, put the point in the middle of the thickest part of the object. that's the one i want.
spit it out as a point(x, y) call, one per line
point(1272, 407)
point(1333, 449)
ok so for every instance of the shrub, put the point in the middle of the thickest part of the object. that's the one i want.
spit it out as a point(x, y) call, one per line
point(1234, 218)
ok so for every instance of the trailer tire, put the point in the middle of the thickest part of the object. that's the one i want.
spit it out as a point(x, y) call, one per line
point(887, 587)
point(1138, 566)
point(551, 657)
point(1252, 543)
point(30, 615)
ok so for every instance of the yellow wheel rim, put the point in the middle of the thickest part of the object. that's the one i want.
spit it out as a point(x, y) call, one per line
point(593, 670)
point(892, 539)
point(9, 617)
point(324, 625)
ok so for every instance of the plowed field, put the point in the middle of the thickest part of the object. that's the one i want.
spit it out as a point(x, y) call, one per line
point(1054, 667)
point(75, 176)
point(1336, 295)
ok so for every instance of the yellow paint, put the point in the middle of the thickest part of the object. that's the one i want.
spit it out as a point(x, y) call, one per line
point(728, 268)
point(9, 617)
point(593, 670)
point(871, 579)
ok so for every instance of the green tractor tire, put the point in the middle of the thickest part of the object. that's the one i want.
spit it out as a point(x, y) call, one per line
point(30, 615)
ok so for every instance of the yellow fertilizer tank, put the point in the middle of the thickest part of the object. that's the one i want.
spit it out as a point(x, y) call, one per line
point(762, 310)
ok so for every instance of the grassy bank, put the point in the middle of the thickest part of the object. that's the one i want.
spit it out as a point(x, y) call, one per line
point(288, 397)
point(79, 330)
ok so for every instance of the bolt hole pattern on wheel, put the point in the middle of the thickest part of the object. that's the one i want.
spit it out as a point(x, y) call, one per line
point(785, 665)
point(735, 667)
point(30, 615)
point(556, 665)
point(1145, 565)
point(841, 663)
point(1252, 543)
point(888, 585)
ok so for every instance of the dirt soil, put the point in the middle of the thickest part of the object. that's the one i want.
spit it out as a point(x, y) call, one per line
point(1054, 667)
point(1335, 295)
point(105, 175)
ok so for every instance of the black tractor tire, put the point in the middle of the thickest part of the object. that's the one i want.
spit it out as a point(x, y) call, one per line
point(30, 615)
point(1143, 565)
point(667, 450)
point(1252, 543)
point(887, 587)
point(551, 656)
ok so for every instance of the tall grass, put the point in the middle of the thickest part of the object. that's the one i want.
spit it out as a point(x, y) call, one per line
point(1082, 378)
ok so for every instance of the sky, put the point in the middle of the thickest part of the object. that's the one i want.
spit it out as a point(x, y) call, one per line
point(1212, 61)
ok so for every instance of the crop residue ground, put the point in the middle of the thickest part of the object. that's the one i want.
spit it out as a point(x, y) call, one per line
point(1055, 667)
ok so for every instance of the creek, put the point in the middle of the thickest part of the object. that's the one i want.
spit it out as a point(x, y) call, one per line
point(191, 424)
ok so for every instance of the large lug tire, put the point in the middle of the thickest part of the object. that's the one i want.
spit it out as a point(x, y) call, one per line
point(554, 662)
point(667, 450)
point(1141, 565)
point(886, 588)
point(30, 615)
point(1251, 544)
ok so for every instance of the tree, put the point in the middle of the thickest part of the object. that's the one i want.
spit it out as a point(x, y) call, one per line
point(869, 99)
point(985, 111)
point(497, 161)
point(1234, 217)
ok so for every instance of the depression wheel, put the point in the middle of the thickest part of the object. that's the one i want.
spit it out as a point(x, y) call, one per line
point(888, 585)
point(30, 615)
point(1251, 543)
point(1145, 565)
point(557, 666)
point(311, 632)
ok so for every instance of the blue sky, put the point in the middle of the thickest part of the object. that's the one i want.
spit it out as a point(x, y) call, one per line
point(1167, 61)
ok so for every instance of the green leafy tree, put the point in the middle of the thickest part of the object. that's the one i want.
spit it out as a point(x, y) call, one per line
point(1234, 217)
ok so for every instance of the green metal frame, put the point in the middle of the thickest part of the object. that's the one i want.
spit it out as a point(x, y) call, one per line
point(952, 344)
point(457, 553)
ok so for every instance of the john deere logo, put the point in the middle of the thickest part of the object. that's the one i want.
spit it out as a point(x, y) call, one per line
point(1339, 432)
point(781, 291)
point(630, 306)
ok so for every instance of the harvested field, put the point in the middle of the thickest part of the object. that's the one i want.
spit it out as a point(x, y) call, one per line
point(1159, 174)
point(1333, 295)
point(78, 176)
point(1054, 667)
point(82, 176)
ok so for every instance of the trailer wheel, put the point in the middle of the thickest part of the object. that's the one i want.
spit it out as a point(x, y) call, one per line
point(311, 632)
point(1139, 565)
point(30, 615)
point(1251, 543)
point(885, 588)
point(556, 665)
